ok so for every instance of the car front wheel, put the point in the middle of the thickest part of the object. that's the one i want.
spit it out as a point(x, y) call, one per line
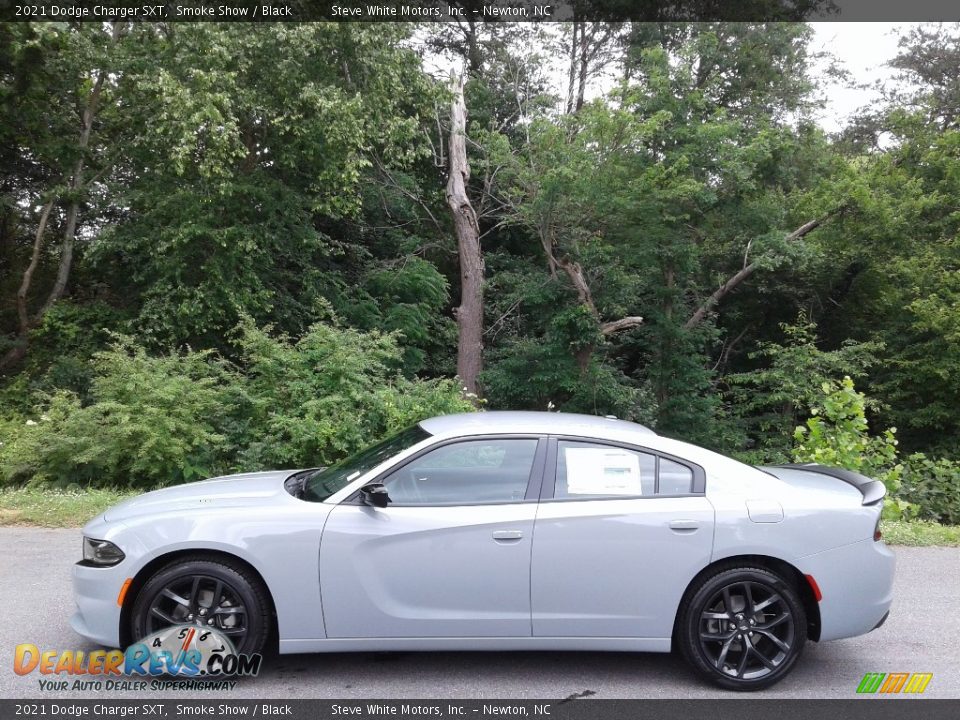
point(742, 628)
point(206, 593)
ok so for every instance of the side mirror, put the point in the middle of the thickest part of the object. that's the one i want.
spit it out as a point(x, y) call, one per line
point(375, 494)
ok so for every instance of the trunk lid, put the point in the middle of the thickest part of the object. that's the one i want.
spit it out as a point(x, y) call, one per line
point(872, 491)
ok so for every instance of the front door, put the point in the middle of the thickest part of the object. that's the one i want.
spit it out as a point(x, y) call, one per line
point(448, 557)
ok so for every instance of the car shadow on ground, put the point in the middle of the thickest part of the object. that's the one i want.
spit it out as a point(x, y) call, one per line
point(831, 668)
point(490, 674)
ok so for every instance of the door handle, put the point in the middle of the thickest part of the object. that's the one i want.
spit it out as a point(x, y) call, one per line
point(507, 535)
point(684, 525)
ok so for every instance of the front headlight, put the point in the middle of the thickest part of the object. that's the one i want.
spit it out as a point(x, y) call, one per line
point(101, 552)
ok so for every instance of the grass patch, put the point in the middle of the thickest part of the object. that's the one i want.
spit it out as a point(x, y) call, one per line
point(920, 533)
point(55, 508)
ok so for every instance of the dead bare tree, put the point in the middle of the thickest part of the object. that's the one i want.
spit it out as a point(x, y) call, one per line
point(467, 229)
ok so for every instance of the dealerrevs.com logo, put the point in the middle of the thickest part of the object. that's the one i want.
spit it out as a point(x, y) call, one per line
point(182, 651)
point(892, 683)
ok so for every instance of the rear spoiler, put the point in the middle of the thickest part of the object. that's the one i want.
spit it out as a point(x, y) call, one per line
point(872, 490)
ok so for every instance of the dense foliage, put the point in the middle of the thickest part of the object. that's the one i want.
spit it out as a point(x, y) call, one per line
point(157, 419)
point(227, 246)
point(837, 434)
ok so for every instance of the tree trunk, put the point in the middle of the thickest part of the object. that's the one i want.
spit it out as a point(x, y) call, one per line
point(580, 56)
point(22, 312)
point(661, 388)
point(470, 311)
point(572, 73)
point(584, 69)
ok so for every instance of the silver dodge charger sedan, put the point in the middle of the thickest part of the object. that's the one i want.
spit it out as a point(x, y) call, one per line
point(504, 531)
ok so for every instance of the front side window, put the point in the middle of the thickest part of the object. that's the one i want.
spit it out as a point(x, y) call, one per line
point(592, 471)
point(468, 472)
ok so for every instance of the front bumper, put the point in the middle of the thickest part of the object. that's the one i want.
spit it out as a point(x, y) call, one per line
point(857, 585)
point(95, 592)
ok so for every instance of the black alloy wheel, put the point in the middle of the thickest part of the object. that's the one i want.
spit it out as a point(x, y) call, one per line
point(207, 594)
point(743, 629)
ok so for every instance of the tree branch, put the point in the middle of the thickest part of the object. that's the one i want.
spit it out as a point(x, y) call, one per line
point(624, 323)
point(578, 278)
point(22, 311)
point(748, 269)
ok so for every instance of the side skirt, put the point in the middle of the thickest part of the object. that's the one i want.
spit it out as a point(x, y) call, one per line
point(614, 644)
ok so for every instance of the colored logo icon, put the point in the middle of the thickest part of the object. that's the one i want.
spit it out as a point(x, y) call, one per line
point(891, 683)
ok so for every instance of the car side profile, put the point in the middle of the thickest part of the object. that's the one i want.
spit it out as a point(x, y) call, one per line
point(504, 531)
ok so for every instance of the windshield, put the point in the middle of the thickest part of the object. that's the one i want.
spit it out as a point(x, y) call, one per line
point(325, 482)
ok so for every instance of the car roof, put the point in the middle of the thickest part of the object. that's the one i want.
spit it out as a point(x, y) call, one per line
point(521, 421)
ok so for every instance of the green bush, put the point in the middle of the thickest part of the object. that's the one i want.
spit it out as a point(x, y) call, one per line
point(769, 399)
point(328, 394)
point(837, 434)
point(160, 420)
point(151, 421)
point(61, 348)
point(532, 375)
point(933, 486)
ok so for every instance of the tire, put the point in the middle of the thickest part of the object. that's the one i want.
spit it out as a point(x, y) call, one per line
point(241, 609)
point(742, 628)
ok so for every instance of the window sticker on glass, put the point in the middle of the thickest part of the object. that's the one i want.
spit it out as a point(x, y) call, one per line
point(602, 471)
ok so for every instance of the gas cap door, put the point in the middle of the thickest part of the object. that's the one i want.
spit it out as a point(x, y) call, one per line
point(764, 511)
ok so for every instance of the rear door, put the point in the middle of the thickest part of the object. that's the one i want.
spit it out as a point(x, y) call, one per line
point(619, 534)
point(449, 556)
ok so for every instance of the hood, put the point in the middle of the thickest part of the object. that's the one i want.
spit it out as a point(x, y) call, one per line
point(249, 489)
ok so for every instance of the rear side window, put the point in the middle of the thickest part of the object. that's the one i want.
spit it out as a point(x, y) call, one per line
point(592, 471)
point(675, 479)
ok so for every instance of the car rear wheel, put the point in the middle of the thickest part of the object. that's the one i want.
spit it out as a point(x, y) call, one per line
point(742, 628)
point(205, 593)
